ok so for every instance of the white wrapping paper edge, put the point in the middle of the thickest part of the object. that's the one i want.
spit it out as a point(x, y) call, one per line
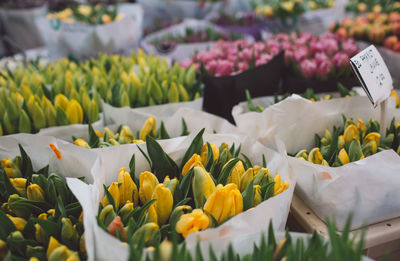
point(113, 158)
point(123, 115)
point(37, 148)
point(84, 41)
point(363, 186)
point(182, 50)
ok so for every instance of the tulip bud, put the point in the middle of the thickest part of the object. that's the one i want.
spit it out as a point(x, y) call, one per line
point(113, 142)
point(177, 213)
point(171, 185)
point(361, 126)
point(302, 155)
point(24, 125)
point(115, 225)
point(35, 192)
point(236, 173)
point(74, 112)
point(192, 222)
point(1, 129)
point(148, 127)
point(194, 161)
point(124, 99)
point(163, 204)
point(126, 209)
point(173, 93)
point(369, 148)
point(127, 190)
point(147, 233)
point(246, 179)
point(82, 245)
point(183, 95)
point(190, 76)
point(19, 184)
point(93, 112)
point(62, 101)
point(350, 133)
point(324, 163)
point(204, 153)
point(355, 151)
point(155, 91)
point(68, 232)
point(59, 254)
point(81, 143)
point(9, 127)
point(18, 222)
point(114, 191)
point(39, 119)
point(343, 157)
point(12, 110)
point(107, 215)
point(126, 135)
point(263, 177)
point(257, 195)
point(202, 186)
point(224, 202)
point(315, 156)
point(278, 186)
point(373, 136)
point(53, 244)
point(341, 142)
point(16, 208)
point(147, 182)
point(40, 234)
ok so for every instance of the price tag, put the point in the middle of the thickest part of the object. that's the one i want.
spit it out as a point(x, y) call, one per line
point(373, 74)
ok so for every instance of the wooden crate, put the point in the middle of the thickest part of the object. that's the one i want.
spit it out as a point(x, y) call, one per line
point(382, 239)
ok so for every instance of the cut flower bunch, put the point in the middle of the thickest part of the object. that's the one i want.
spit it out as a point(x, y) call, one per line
point(125, 135)
point(315, 57)
point(377, 28)
point(211, 185)
point(231, 58)
point(40, 217)
point(377, 6)
point(88, 14)
point(66, 92)
point(351, 142)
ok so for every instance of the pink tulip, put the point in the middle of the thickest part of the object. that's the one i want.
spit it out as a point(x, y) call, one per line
point(300, 54)
point(349, 47)
point(224, 67)
point(308, 68)
point(320, 57)
point(341, 60)
point(324, 69)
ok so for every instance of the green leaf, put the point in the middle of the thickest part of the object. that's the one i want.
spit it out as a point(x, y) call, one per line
point(94, 140)
point(145, 156)
point(163, 132)
point(247, 161)
point(210, 157)
point(109, 198)
point(268, 190)
point(9, 188)
point(138, 212)
point(60, 207)
point(132, 166)
point(185, 130)
point(162, 164)
point(227, 171)
point(248, 196)
point(51, 228)
point(26, 168)
point(195, 147)
point(264, 161)
point(7, 226)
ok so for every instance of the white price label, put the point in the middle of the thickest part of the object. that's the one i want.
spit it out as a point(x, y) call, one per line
point(373, 74)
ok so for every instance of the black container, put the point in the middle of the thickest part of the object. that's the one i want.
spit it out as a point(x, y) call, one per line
point(222, 93)
point(294, 84)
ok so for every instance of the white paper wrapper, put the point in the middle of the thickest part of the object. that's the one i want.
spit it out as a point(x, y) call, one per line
point(182, 50)
point(77, 130)
point(83, 41)
point(19, 25)
point(125, 115)
point(276, 208)
point(363, 187)
point(177, 9)
point(391, 58)
point(70, 165)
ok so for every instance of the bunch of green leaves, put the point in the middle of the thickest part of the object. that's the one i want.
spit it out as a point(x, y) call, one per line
point(60, 204)
point(341, 246)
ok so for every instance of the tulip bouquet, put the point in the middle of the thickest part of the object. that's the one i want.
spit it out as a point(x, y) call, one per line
point(124, 135)
point(278, 9)
point(211, 185)
point(376, 6)
point(160, 24)
point(231, 58)
point(377, 28)
point(88, 14)
point(169, 41)
point(351, 142)
point(315, 58)
point(40, 217)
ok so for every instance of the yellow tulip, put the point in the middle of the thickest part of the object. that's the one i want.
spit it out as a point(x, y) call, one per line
point(128, 190)
point(62, 101)
point(74, 112)
point(302, 155)
point(224, 202)
point(394, 94)
point(148, 127)
point(351, 133)
point(127, 134)
point(19, 184)
point(192, 222)
point(246, 179)
point(236, 173)
point(257, 195)
point(343, 156)
point(6, 163)
point(373, 136)
point(53, 244)
point(19, 223)
point(194, 161)
point(81, 143)
point(361, 126)
point(147, 182)
point(267, 11)
point(202, 186)
point(341, 142)
point(287, 6)
point(204, 153)
point(280, 187)
point(315, 156)
point(163, 204)
point(152, 214)
point(126, 209)
point(35, 192)
point(114, 191)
